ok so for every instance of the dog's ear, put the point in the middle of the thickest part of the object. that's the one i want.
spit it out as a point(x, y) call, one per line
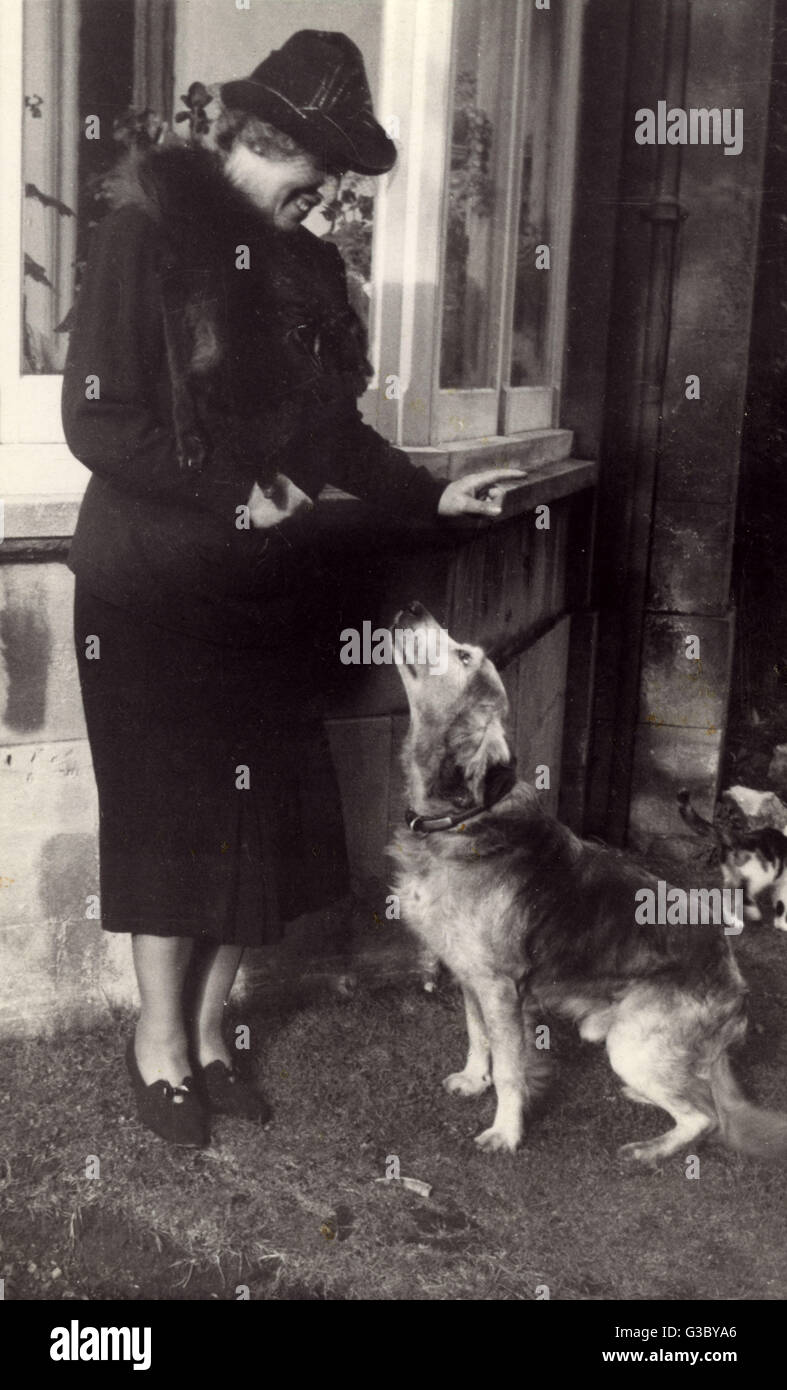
point(498, 781)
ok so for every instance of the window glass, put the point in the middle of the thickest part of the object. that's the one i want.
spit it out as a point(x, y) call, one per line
point(78, 62)
point(349, 215)
point(347, 219)
point(469, 332)
point(531, 293)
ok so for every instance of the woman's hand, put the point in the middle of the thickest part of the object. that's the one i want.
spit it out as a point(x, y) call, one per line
point(270, 505)
point(478, 494)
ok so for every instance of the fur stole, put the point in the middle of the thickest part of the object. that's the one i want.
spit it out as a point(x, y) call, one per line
point(280, 331)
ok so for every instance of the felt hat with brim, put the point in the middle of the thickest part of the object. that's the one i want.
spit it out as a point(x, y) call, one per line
point(314, 88)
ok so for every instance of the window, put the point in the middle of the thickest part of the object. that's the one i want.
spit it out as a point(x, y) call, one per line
point(78, 64)
point(447, 255)
point(69, 59)
point(475, 337)
point(474, 195)
point(543, 198)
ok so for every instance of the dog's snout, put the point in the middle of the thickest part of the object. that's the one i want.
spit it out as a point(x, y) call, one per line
point(412, 610)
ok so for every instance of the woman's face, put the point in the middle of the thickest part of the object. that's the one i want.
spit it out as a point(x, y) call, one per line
point(284, 190)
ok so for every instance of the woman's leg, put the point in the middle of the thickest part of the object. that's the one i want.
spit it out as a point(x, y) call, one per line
point(218, 968)
point(225, 1093)
point(161, 1044)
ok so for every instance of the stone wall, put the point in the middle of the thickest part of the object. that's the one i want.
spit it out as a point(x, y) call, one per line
point(666, 239)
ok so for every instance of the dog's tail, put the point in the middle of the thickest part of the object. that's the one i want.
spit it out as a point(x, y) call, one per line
point(697, 823)
point(744, 1126)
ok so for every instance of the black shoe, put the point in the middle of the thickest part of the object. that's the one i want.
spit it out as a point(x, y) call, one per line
point(225, 1092)
point(173, 1112)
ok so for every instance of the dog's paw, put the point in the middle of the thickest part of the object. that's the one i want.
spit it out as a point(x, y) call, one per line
point(497, 1141)
point(467, 1083)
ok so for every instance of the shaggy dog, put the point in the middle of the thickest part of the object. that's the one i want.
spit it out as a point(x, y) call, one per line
point(529, 918)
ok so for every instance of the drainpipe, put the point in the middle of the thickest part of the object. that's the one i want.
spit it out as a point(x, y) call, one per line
point(665, 215)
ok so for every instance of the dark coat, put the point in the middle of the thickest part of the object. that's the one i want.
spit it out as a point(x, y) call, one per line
point(271, 361)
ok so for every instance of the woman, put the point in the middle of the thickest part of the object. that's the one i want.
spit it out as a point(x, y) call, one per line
point(211, 389)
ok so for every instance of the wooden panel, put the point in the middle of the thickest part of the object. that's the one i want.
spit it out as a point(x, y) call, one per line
point(509, 578)
point(580, 679)
point(537, 733)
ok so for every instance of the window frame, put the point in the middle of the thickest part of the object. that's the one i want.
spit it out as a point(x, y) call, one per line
point(418, 38)
point(29, 402)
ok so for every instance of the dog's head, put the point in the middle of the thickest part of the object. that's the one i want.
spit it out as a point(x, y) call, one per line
point(456, 753)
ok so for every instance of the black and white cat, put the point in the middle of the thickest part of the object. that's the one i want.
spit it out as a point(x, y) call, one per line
point(754, 860)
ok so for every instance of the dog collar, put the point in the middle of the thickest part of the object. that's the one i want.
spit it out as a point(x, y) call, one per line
point(424, 825)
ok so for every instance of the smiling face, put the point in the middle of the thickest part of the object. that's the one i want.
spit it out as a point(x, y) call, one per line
point(283, 188)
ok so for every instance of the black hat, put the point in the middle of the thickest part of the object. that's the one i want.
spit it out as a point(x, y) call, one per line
point(314, 88)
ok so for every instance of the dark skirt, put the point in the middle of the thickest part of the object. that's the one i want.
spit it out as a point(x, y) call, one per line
point(219, 808)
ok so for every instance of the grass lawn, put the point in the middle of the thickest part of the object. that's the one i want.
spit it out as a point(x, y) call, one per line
point(295, 1212)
